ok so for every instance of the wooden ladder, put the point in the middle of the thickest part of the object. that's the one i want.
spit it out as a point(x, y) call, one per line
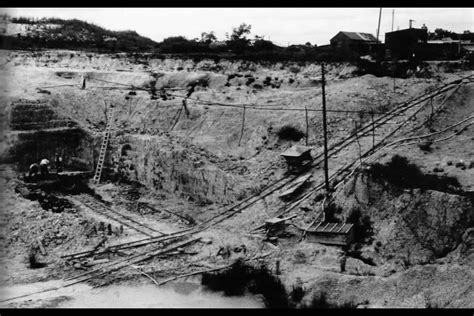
point(103, 149)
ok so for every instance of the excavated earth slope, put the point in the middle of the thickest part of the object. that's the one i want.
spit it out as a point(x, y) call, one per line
point(198, 163)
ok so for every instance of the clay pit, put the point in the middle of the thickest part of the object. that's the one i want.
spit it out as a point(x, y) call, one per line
point(184, 190)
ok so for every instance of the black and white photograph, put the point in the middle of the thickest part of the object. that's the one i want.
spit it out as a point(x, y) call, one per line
point(236, 158)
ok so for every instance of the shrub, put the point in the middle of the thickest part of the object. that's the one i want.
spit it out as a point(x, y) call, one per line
point(289, 132)
point(297, 294)
point(34, 264)
point(330, 212)
point(241, 277)
point(271, 287)
point(232, 281)
point(363, 231)
point(320, 301)
point(400, 172)
point(294, 69)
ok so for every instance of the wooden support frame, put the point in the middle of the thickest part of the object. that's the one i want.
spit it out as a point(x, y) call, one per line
point(307, 124)
point(347, 230)
point(325, 226)
point(330, 230)
point(243, 125)
point(340, 228)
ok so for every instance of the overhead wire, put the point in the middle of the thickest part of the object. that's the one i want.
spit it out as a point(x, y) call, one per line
point(259, 107)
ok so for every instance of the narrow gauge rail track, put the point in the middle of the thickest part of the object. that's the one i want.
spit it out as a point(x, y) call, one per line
point(335, 148)
point(108, 212)
point(110, 267)
point(131, 244)
point(367, 156)
point(136, 258)
point(145, 255)
point(278, 184)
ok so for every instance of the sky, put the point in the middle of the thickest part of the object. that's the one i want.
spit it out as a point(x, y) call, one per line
point(283, 26)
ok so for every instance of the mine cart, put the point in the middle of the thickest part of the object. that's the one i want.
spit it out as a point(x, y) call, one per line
point(298, 158)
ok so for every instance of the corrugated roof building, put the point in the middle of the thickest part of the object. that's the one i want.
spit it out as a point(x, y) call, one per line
point(353, 43)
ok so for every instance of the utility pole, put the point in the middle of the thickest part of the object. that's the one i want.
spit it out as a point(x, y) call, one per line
point(378, 28)
point(393, 17)
point(326, 175)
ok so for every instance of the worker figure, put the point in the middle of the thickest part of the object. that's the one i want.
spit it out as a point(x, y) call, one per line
point(342, 262)
point(59, 163)
point(34, 170)
point(44, 164)
point(224, 252)
point(190, 91)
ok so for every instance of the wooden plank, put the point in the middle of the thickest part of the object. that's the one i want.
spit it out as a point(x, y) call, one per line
point(322, 230)
point(319, 224)
point(348, 228)
point(274, 221)
point(290, 217)
point(336, 228)
point(335, 224)
point(294, 186)
point(96, 262)
point(277, 220)
point(340, 228)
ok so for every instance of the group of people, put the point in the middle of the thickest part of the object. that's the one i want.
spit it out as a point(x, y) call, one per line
point(43, 167)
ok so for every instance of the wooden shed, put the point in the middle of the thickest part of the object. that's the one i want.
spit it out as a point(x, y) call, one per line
point(341, 234)
point(297, 157)
point(353, 42)
point(403, 44)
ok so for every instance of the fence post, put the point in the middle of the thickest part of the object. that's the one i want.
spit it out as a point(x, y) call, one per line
point(243, 124)
point(373, 129)
point(326, 175)
point(307, 129)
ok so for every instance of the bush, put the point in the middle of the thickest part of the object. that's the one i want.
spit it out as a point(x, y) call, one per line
point(239, 278)
point(400, 172)
point(297, 294)
point(320, 301)
point(330, 212)
point(34, 264)
point(250, 81)
point(179, 44)
point(289, 132)
point(263, 45)
point(232, 281)
point(363, 230)
point(294, 69)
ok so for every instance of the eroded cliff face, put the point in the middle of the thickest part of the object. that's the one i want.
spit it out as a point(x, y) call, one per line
point(427, 286)
point(164, 164)
point(38, 131)
point(411, 225)
point(180, 169)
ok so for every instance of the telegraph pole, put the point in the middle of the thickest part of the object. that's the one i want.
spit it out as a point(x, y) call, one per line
point(393, 15)
point(378, 28)
point(326, 175)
